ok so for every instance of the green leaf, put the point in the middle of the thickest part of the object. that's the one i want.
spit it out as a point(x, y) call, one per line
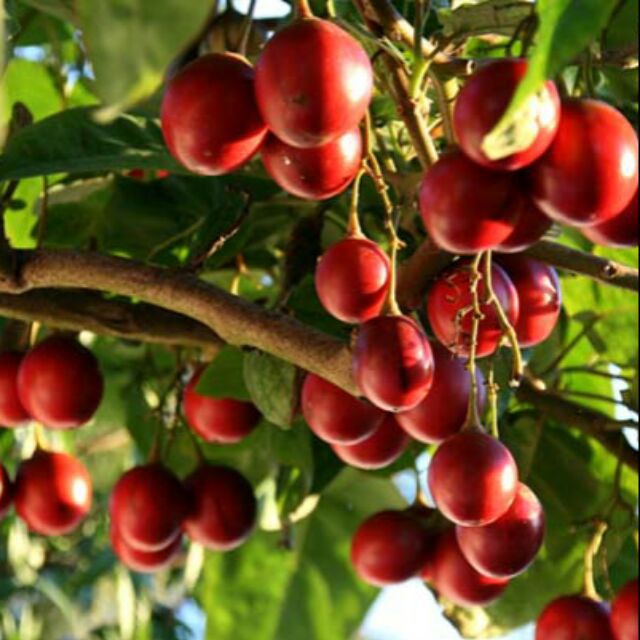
point(224, 377)
point(623, 30)
point(62, 9)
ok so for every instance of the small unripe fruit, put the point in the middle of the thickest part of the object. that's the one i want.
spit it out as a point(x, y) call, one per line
point(574, 617)
point(12, 413)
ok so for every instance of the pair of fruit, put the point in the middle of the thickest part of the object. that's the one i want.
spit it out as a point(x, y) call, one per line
point(58, 383)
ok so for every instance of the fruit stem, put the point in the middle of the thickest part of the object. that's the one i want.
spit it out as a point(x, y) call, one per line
point(39, 434)
point(446, 93)
point(590, 555)
point(245, 36)
point(492, 393)
point(303, 10)
point(421, 64)
point(354, 229)
point(44, 212)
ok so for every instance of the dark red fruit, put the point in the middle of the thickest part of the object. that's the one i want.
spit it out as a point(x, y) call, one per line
point(465, 207)
point(442, 413)
point(388, 548)
point(624, 613)
point(6, 492)
point(12, 413)
point(382, 448)
point(574, 618)
point(393, 363)
point(473, 479)
point(505, 548)
point(317, 173)
point(530, 226)
point(60, 384)
point(590, 172)
point(221, 420)
point(336, 416)
point(222, 510)
point(313, 83)
point(143, 561)
point(210, 119)
point(352, 280)
point(619, 232)
point(451, 295)
point(457, 580)
point(485, 99)
point(540, 297)
point(147, 506)
point(53, 493)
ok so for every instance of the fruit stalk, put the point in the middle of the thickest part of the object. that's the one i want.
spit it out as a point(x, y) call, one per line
point(354, 230)
point(590, 590)
point(303, 10)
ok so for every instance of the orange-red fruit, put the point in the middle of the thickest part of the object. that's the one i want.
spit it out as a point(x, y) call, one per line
point(317, 173)
point(590, 172)
point(393, 363)
point(222, 508)
point(6, 492)
point(442, 413)
point(473, 479)
point(336, 416)
point(388, 548)
point(12, 413)
point(53, 493)
point(210, 119)
point(313, 83)
point(574, 618)
point(484, 100)
point(221, 420)
point(143, 561)
point(352, 280)
point(530, 226)
point(624, 613)
point(619, 232)
point(382, 448)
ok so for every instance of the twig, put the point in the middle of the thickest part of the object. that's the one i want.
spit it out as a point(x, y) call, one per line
point(473, 417)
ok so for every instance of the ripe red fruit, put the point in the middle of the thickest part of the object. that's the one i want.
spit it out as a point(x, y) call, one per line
point(473, 479)
point(451, 295)
point(210, 119)
point(221, 420)
point(147, 506)
point(442, 413)
point(143, 561)
point(317, 173)
point(382, 448)
point(393, 363)
point(313, 83)
point(484, 100)
point(334, 415)
point(620, 231)
point(352, 280)
point(53, 493)
point(465, 207)
point(506, 547)
point(624, 613)
point(540, 297)
point(60, 384)
point(590, 172)
point(388, 548)
point(457, 580)
point(12, 413)
point(6, 492)
point(222, 510)
point(530, 226)
point(574, 617)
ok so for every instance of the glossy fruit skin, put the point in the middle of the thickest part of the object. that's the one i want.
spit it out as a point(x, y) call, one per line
point(451, 294)
point(590, 172)
point(336, 416)
point(313, 83)
point(143, 561)
point(573, 617)
point(473, 479)
point(540, 296)
point(506, 547)
point(221, 420)
point(484, 100)
point(210, 119)
point(530, 226)
point(316, 173)
point(352, 280)
point(53, 493)
point(624, 613)
point(223, 508)
point(60, 384)
point(6, 492)
point(388, 548)
point(442, 413)
point(619, 232)
point(457, 580)
point(12, 413)
point(382, 448)
point(465, 207)
point(147, 506)
point(393, 363)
